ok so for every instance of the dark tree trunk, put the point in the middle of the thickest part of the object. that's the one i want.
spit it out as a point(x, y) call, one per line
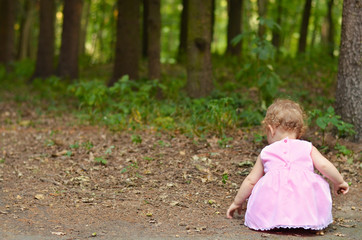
point(303, 34)
point(262, 11)
point(183, 31)
point(199, 72)
point(145, 29)
point(213, 8)
point(69, 50)
point(7, 33)
point(44, 66)
point(349, 86)
point(26, 24)
point(276, 39)
point(128, 40)
point(330, 32)
point(154, 36)
point(234, 26)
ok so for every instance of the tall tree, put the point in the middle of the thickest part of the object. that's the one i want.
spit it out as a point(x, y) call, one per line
point(182, 49)
point(145, 28)
point(304, 26)
point(262, 11)
point(330, 32)
point(349, 85)
point(154, 39)
point(128, 40)
point(234, 26)
point(69, 50)
point(26, 23)
point(276, 39)
point(213, 8)
point(84, 26)
point(199, 72)
point(44, 66)
point(7, 33)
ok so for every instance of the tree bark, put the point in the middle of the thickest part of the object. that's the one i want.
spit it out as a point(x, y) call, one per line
point(84, 27)
point(276, 39)
point(199, 72)
point(154, 39)
point(349, 84)
point(7, 33)
point(25, 27)
point(262, 11)
point(69, 50)
point(128, 40)
point(213, 8)
point(303, 34)
point(234, 26)
point(182, 50)
point(44, 66)
point(145, 29)
point(330, 32)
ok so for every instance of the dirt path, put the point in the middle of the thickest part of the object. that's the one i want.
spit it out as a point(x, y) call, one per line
point(59, 181)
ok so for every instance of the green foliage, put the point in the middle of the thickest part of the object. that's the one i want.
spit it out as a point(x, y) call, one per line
point(101, 160)
point(136, 139)
point(260, 66)
point(224, 141)
point(225, 177)
point(327, 119)
point(343, 150)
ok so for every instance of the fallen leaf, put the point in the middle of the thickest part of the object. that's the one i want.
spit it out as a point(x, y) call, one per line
point(39, 196)
point(61, 153)
point(174, 203)
point(59, 233)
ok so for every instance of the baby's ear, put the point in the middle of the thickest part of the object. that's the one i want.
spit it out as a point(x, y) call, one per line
point(271, 129)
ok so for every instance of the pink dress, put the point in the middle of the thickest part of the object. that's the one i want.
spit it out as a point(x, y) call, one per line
point(290, 194)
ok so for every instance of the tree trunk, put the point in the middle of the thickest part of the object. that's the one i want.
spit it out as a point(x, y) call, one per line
point(349, 85)
point(199, 72)
point(84, 27)
point(276, 39)
point(330, 32)
point(213, 8)
point(183, 31)
point(69, 50)
point(128, 40)
point(44, 66)
point(304, 27)
point(154, 39)
point(262, 11)
point(25, 27)
point(7, 33)
point(234, 27)
point(145, 28)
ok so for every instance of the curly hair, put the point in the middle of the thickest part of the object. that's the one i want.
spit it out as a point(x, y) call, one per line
point(287, 115)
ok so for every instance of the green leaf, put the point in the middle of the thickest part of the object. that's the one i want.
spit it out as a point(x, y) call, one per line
point(321, 123)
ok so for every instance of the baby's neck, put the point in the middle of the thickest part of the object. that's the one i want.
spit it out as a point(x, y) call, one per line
point(279, 135)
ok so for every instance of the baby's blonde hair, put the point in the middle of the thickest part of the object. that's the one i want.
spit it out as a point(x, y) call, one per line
point(287, 115)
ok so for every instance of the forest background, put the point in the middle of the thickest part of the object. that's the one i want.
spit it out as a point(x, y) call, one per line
point(195, 67)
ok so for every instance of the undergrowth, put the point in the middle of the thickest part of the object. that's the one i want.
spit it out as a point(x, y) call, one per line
point(240, 99)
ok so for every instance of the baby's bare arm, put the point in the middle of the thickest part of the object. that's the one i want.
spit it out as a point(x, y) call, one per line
point(329, 170)
point(246, 188)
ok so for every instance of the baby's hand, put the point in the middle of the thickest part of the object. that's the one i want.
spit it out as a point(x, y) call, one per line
point(232, 208)
point(341, 188)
